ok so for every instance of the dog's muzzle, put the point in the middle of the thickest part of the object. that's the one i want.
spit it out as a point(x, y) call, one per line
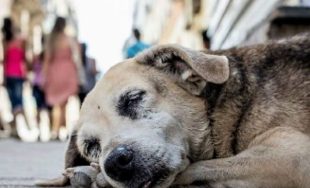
point(135, 169)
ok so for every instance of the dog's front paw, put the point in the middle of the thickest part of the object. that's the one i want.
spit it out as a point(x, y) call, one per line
point(82, 176)
point(100, 182)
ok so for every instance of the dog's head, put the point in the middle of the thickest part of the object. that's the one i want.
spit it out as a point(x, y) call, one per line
point(145, 119)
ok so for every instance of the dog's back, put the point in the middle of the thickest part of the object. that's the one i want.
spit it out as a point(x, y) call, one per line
point(260, 118)
point(274, 89)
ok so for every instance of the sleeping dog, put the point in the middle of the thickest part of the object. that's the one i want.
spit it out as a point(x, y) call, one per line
point(176, 117)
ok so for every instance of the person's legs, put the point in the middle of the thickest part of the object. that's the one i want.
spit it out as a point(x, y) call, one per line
point(12, 89)
point(63, 130)
point(56, 121)
point(20, 119)
point(63, 114)
point(36, 95)
point(39, 97)
point(20, 127)
point(43, 113)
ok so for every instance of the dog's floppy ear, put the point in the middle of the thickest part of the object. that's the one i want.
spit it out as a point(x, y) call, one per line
point(193, 68)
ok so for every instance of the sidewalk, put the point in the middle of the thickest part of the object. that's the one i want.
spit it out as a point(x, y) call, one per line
point(23, 163)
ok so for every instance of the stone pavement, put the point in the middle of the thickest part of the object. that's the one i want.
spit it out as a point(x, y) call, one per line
point(23, 163)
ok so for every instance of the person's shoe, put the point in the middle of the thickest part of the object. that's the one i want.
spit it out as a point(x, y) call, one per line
point(23, 132)
point(13, 131)
point(63, 134)
point(5, 131)
point(54, 136)
point(45, 133)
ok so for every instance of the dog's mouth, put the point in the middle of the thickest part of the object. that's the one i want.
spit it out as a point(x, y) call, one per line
point(156, 180)
point(146, 184)
point(141, 179)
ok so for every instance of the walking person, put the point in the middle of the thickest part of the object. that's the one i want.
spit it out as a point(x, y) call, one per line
point(90, 72)
point(14, 72)
point(42, 115)
point(138, 45)
point(61, 76)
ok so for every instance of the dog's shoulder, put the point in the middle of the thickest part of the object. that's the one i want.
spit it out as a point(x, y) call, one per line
point(268, 87)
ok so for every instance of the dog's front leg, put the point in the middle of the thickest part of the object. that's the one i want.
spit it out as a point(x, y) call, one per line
point(278, 158)
point(217, 173)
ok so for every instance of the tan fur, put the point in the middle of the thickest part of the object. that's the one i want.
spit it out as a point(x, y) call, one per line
point(241, 117)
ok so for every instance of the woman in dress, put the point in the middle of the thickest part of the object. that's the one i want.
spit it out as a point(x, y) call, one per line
point(61, 77)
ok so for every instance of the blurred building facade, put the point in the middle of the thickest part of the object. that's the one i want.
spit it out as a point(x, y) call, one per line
point(35, 18)
point(172, 21)
point(63, 8)
point(241, 22)
point(228, 22)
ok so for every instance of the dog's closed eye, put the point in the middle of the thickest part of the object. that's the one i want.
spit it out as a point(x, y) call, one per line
point(92, 148)
point(128, 103)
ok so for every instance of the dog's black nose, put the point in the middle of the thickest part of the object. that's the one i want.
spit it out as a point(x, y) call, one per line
point(118, 164)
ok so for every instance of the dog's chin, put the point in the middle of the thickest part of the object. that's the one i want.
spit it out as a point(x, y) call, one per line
point(159, 179)
point(164, 183)
point(153, 182)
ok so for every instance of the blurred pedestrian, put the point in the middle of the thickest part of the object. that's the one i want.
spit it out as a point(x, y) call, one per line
point(90, 70)
point(61, 76)
point(39, 96)
point(138, 45)
point(37, 84)
point(14, 71)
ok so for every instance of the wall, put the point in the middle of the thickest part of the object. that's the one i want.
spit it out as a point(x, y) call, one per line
point(172, 21)
point(240, 22)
